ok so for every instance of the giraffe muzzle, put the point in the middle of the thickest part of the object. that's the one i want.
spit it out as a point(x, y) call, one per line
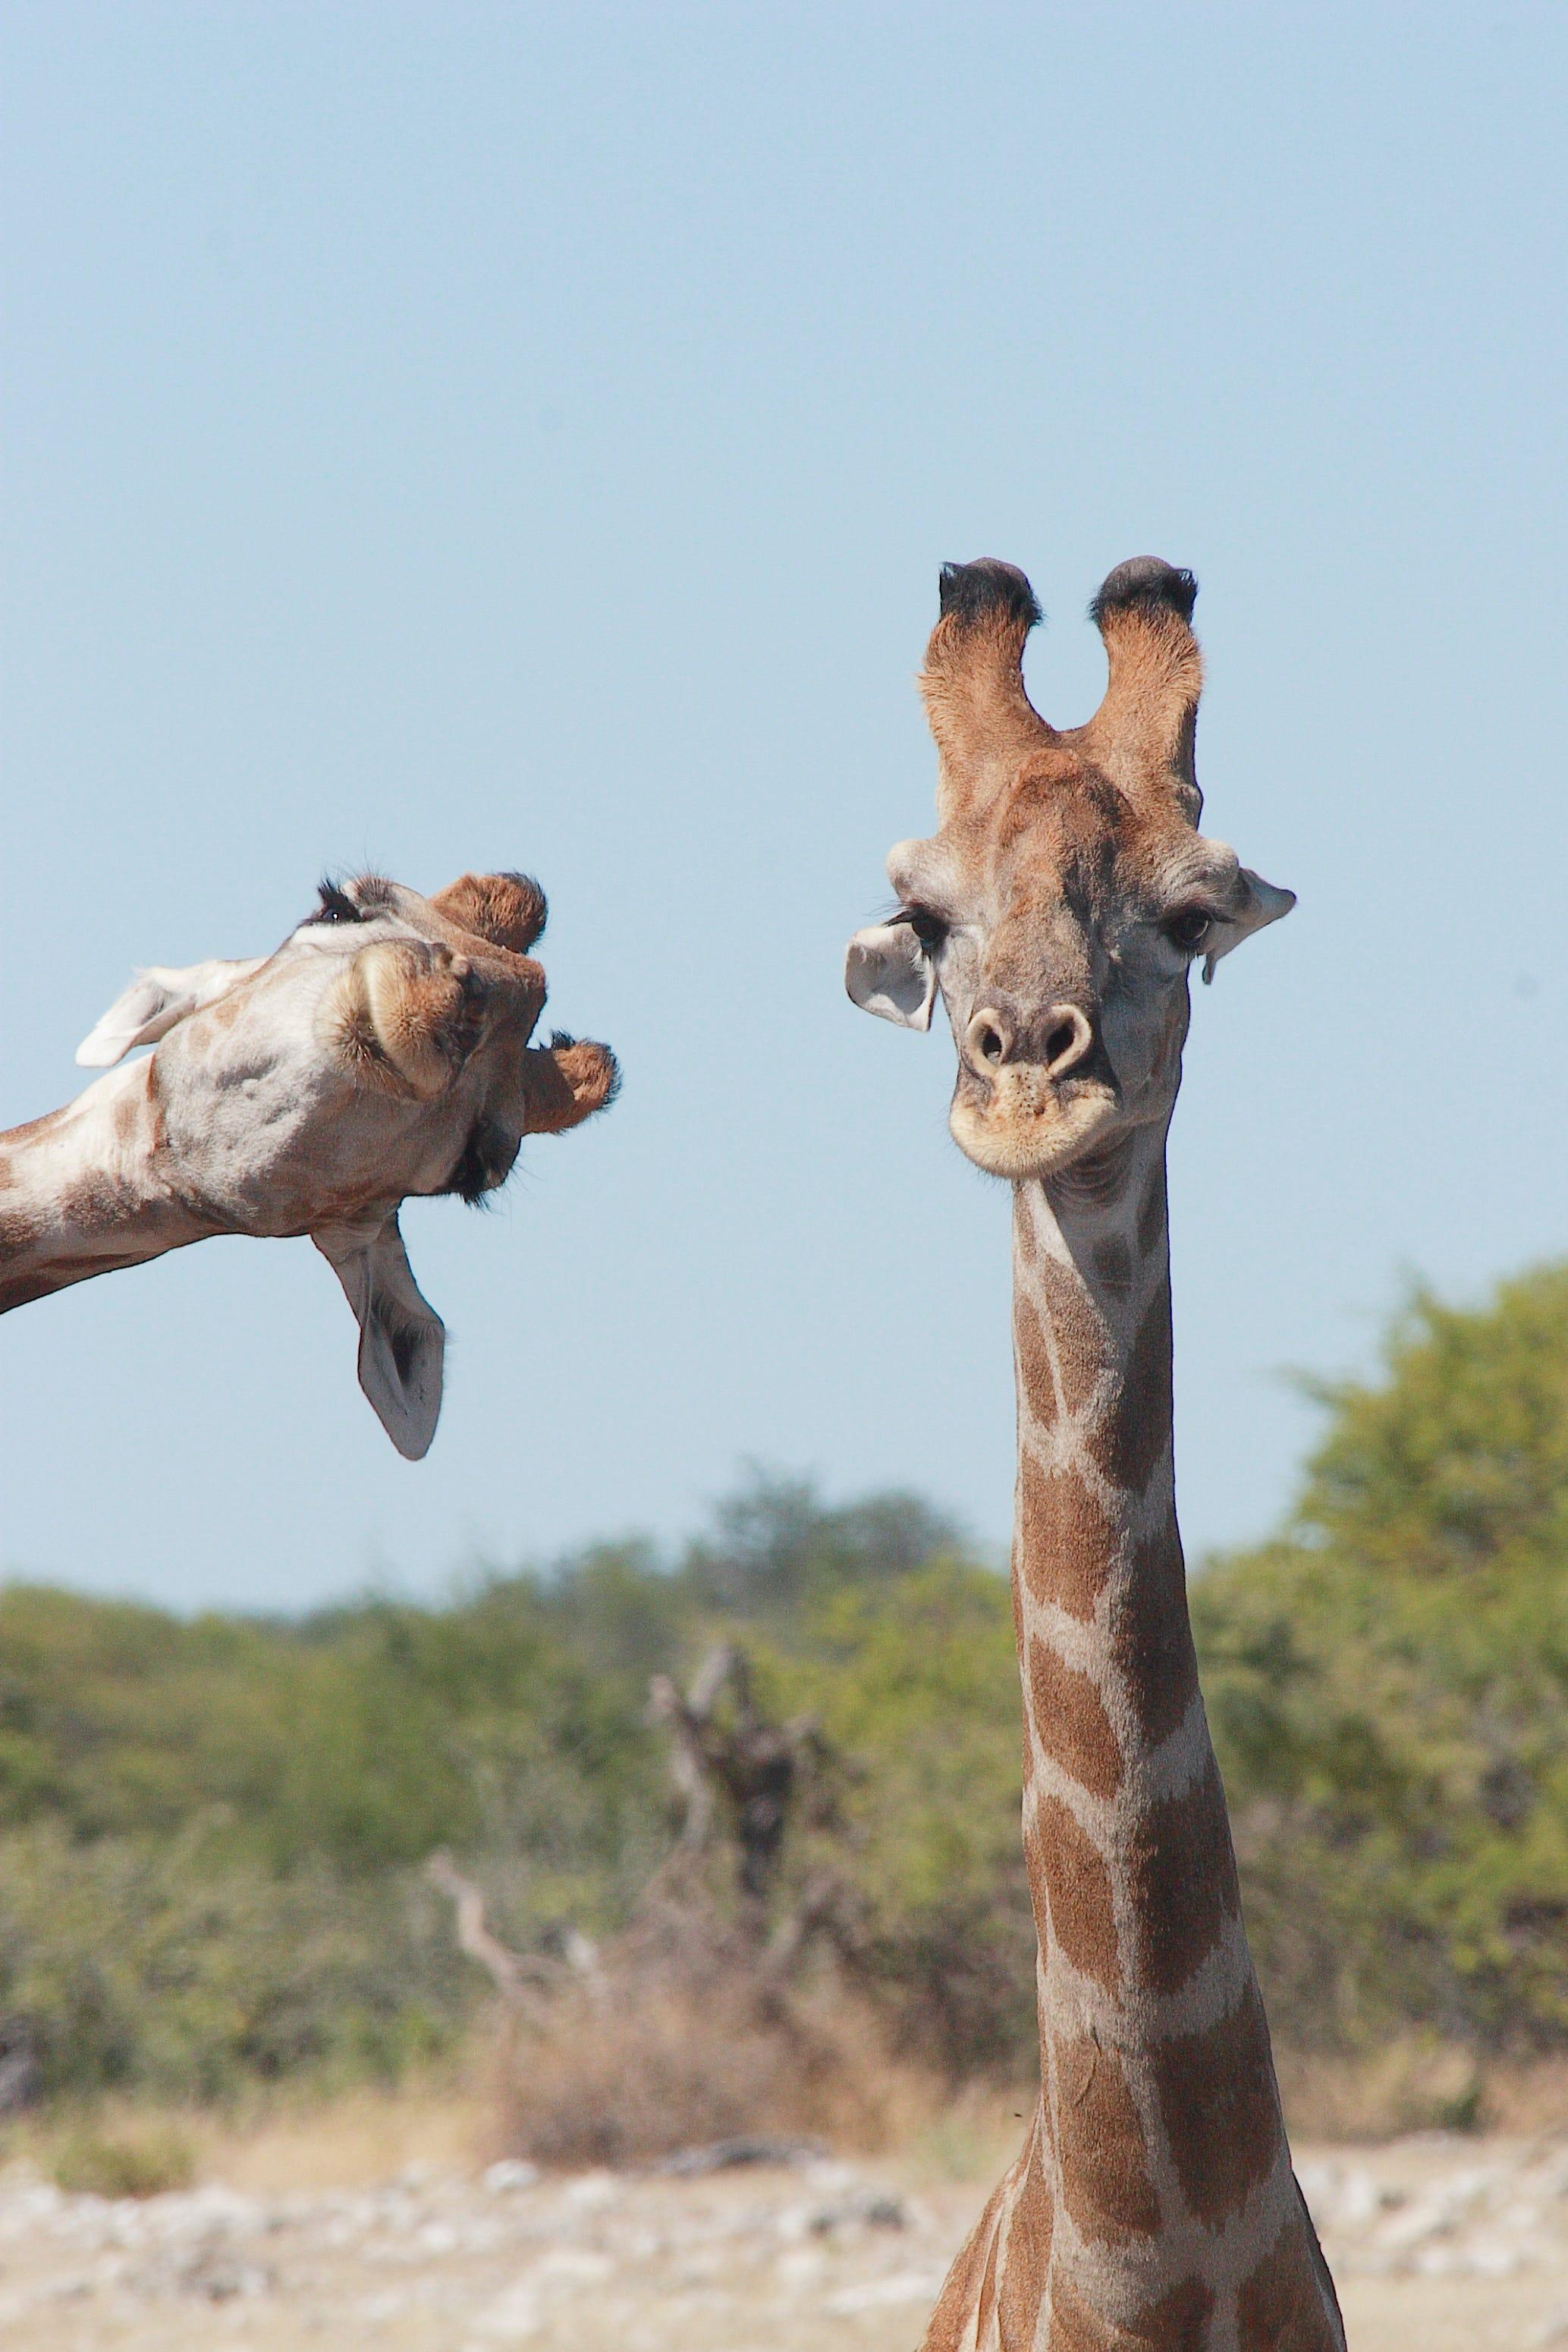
point(993, 1040)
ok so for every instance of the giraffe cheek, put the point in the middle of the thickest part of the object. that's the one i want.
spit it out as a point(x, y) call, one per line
point(396, 1020)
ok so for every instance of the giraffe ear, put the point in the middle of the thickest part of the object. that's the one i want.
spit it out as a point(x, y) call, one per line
point(888, 972)
point(1262, 903)
point(402, 1340)
point(154, 1001)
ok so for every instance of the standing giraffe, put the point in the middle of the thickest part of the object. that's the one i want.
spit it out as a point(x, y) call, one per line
point(1057, 908)
point(382, 1051)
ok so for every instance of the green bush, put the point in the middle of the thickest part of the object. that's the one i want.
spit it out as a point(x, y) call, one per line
point(146, 2163)
point(170, 1966)
point(1388, 1685)
point(916, 1688)
point(210, 1830)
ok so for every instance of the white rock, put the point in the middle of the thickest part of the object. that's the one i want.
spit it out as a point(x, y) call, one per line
point(511, 2172)
point(590, 2190)
point(511, 2318)
point(882, 2293)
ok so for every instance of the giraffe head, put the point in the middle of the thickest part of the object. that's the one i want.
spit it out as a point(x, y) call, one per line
point(1066, 890)
point(382, 1051)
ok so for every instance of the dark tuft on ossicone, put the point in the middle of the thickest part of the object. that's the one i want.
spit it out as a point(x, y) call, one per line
point(517, 907)
point(529, 889)
point(560, 1039)
point(986, 590)
point(1144, 580)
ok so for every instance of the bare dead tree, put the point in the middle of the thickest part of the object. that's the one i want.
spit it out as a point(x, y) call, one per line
point(762, 1774)
point(523, 1981)
point(732, 1767)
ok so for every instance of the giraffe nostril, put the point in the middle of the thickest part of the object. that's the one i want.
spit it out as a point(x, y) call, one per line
point(1068, 1039)
point(987, 1041)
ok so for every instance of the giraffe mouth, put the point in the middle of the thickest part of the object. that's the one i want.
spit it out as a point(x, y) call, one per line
point(1020, 1125)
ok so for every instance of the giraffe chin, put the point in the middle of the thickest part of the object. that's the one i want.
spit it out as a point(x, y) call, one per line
point(1015, 1141)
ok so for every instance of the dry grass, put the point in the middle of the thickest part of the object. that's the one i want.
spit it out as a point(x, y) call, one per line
point(270, 2142)
point(1419, 2083)
point(665, 2066)
point(1415, 2083)
point(370, 2222)
point(665, 2071)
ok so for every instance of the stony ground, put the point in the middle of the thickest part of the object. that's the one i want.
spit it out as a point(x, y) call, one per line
point(1438, 2242)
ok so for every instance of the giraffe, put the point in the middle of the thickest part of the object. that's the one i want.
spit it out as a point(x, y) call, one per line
point(382, 1051)
point(1057, 910)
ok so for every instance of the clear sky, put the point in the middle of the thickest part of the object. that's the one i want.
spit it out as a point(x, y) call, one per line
point(469, 435)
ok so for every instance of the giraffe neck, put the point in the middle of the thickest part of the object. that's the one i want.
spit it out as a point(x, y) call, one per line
point(1155, 2192)
point(81, 1191)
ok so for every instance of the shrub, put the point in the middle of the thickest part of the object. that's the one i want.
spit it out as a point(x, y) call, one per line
point(172, 1968)
point(1389, 1690)
point(124, 2163)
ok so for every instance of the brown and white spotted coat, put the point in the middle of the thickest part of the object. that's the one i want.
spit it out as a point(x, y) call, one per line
point(1057, 910)
point(381, 1052)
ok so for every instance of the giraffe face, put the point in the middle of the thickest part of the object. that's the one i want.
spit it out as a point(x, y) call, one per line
point(383, 1051)
point(1067, 892)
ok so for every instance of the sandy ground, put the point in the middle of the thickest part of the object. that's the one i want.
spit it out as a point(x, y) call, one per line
point(1449, 2244)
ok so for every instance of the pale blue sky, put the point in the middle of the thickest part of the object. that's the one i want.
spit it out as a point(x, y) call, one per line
point(464, 434)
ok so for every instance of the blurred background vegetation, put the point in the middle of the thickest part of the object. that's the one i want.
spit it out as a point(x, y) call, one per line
point(211, 1831)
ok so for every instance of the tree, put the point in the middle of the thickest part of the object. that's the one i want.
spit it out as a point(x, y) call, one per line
point(1389, 1688)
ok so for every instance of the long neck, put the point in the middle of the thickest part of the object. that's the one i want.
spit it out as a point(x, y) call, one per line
point(1160, 2131)
point(81, 1191)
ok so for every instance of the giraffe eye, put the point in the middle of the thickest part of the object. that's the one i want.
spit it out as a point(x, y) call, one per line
point(336, 907)
point(928, 928)
point(1189, 929)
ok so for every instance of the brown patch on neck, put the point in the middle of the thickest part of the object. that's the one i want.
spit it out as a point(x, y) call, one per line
point(1074, 2327)
point(1068, 1545)
point(1037, 1377)
point(1070, 1887)
point(988, 2300)
point(1101, 2161)
point(1178, 2322)
point(1151, 1636)
point(1184, 1887)
point(952, 2325)
point(1113, 1266)
point(1085, 1350)
point(1284, 2306)
point(1135, 1433)
point(1220, 2109)
point(1028, 2252)
point(1152, 1212)
point(1071, 1722)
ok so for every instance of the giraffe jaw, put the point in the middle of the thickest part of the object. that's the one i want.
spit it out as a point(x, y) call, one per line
point(1022, 1131)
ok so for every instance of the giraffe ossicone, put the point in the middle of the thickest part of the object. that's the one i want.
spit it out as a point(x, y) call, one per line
point(382, 1052)
point(1057, 912)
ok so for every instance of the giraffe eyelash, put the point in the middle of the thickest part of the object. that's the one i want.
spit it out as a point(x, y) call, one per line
point(928, 927)
point(335, 905)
